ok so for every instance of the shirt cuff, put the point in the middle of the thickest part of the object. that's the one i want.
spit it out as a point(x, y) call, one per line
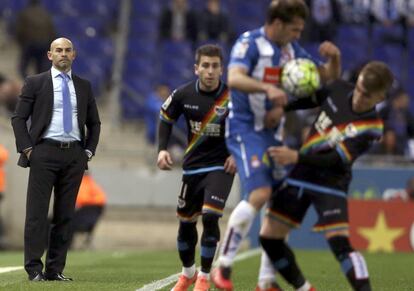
point(89, 154)
point(26, 150)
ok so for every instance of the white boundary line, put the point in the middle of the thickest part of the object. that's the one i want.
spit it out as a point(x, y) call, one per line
point(10, 269)
point(157, 285)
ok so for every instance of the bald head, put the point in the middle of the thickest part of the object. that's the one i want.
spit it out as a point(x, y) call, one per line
point(60, 41)
point(61, 54)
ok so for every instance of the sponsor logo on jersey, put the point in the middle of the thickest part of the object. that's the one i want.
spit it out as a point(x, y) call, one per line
point(331, 212)
point(240, 49)
point(334, 136)
point(271, 75)
point(191, 106)
point(217, 198)
point(167, 103)
point(220, 110)
point(181, 202)
point(351, 130)
point(255, 162)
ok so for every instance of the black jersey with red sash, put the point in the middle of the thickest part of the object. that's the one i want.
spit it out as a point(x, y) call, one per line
point(339, 128)
point(205, 114)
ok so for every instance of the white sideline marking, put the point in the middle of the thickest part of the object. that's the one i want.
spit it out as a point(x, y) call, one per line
point(9, 269)
point(157, 285)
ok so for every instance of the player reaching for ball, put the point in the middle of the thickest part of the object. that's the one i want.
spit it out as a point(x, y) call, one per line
point(346, 127)
point(253, 77)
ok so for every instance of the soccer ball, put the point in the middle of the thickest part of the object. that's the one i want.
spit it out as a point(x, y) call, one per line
point(300, 78)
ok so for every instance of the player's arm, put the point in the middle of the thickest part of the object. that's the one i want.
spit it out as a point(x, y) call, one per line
point(287, 156)
point(239, 80)
point(171, 109)
point(164, 161)
point(230, 165)
point(331, 70)
point(313, 101)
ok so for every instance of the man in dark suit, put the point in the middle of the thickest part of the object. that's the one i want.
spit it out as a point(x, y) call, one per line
point(62, 136)
point(178, 22)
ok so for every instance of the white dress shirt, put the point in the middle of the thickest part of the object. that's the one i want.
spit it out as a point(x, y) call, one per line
point(55, 130)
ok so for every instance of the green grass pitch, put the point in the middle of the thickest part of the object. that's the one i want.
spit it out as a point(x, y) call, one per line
point(114, 271)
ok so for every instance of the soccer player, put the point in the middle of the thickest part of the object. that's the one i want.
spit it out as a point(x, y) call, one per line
point(345, 128)
point(208, 167)
point(253, 77)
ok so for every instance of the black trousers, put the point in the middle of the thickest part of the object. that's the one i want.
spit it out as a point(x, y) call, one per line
point(58, 167)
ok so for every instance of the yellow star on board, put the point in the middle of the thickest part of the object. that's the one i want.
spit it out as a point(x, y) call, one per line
point(380, 236)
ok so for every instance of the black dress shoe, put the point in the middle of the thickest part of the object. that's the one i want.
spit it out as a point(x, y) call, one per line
point(36, 277)
point(57, 277)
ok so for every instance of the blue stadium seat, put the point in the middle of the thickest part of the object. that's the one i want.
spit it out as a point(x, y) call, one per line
point(249, 9)
point(95, 69)
point(13, 5)
point(353, 53)
point(175, 72)
point(141, 66)
point(133, 103)
point(176, 49)
point(102, 8)
point(411, 37)
point(388, 52)
point(138, 46)
point(380, 32)
point(144, 29)
point(90, 45)
point(140, 83)
point(146, 9)
point(352, 33)
point(86, 26)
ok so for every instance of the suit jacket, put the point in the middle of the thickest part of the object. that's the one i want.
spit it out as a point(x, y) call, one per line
point(36, 103)
point(165, 25)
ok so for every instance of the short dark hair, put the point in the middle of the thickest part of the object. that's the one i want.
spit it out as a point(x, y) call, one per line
point(377, 76)
point(286, 10)
point(210, 50)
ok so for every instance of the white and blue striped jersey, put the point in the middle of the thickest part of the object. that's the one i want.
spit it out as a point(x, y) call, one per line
point(263, 60)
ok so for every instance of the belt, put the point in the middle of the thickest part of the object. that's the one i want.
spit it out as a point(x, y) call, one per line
point(61, 144)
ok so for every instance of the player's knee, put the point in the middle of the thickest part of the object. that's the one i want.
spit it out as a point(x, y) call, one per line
point(278, 251)
point(243, 214)
point(341, 247)
point(259, 197)
point(211, 228)
point(274, 229)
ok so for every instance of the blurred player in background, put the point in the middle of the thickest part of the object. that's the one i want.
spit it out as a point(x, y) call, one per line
point(90, 205)
point(4, 156)
point(254, 72)
point(345, 128)
point(208, 168)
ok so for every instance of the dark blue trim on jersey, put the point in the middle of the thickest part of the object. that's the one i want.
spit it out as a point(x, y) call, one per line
point(203, 170)
point(317, 188)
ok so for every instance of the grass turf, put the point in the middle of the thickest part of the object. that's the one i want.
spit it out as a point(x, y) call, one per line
point(131, 270)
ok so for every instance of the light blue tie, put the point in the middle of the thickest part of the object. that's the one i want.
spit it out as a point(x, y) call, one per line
point(67, 105)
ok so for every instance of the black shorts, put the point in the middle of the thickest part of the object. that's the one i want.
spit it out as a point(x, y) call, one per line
point(290, 203)
point(203, 193)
